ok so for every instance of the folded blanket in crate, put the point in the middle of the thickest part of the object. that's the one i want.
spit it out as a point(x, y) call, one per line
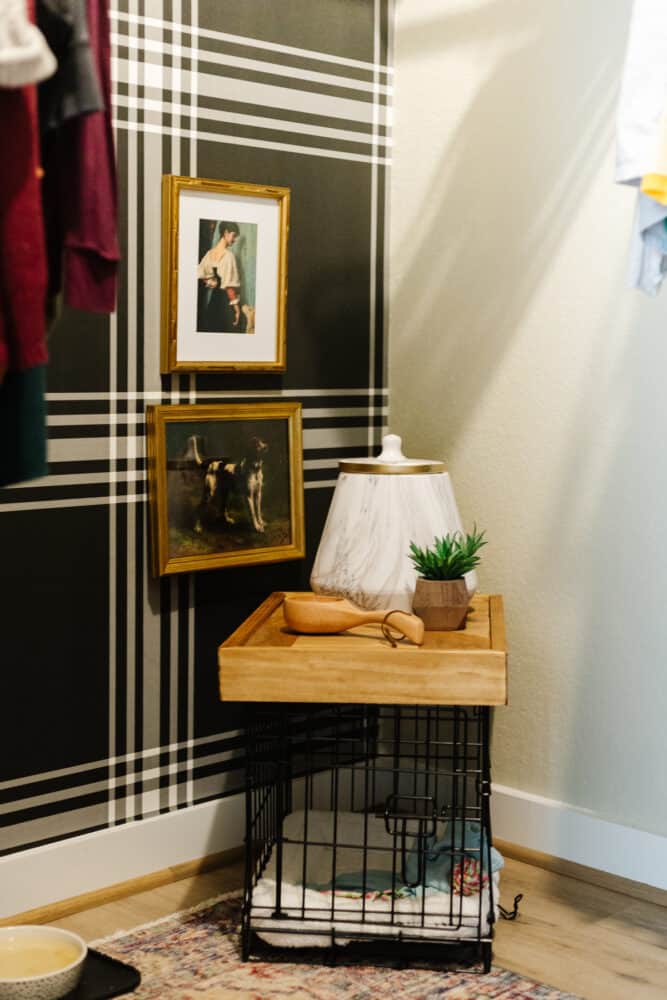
point(380, 882)
point(310, 902)
point(467, 878)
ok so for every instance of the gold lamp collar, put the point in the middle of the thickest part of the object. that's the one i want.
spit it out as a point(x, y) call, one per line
point(392, 462)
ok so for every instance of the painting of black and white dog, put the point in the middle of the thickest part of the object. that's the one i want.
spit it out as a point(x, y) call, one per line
point(223, 477)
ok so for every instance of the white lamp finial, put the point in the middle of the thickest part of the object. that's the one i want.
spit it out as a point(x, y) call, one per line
point(391, 449)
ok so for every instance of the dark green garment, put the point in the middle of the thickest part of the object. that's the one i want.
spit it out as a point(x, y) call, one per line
point(23, 426)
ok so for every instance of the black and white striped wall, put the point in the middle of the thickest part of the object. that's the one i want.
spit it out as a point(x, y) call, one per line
point(117, 757)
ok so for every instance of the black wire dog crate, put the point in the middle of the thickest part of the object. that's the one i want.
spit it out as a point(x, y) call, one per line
point(370, 825)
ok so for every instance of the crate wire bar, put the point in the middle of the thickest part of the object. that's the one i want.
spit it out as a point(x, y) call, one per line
point(361, 792)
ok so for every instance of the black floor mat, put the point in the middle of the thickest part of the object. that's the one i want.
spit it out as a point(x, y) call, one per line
point(104, 977)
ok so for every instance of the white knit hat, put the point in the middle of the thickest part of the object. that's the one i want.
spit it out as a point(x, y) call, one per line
point(25, 56)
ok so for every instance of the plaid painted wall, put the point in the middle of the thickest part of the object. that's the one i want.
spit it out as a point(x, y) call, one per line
point(108, 706)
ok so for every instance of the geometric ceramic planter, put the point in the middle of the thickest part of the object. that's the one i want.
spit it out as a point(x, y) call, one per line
point(441, 604)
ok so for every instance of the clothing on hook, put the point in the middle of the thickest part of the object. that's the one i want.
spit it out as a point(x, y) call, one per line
point(25, 57)
point(23, 351)
point(642, 101)
point(80, 192)
point(648, 248)
point(74, 89)
point(655, 186)
point(641, 141)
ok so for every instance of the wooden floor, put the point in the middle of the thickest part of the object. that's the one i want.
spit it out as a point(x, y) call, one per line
point(597, 944)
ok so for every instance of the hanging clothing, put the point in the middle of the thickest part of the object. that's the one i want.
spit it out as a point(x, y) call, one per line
point(641, 146)
point(643, 97)
point(654, 180)
point(80, 190)
point(74, 89)
point(655, 186)
point(23, 450)
point(23, 352)
point(22, 262)
point(25, 57)
point(648, 252)
point(79, 197)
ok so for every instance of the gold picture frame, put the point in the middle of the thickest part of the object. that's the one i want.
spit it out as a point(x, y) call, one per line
point(224, 291)
point(225, 485)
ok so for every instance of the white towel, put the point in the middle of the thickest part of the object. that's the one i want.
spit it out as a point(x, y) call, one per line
point(643, 98)
point(25, 57)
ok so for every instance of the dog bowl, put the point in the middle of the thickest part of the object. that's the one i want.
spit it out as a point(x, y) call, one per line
point(39, 963)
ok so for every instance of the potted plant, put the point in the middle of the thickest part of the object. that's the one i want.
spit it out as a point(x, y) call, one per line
point(441, 595)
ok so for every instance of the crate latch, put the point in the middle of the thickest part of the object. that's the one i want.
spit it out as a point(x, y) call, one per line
point(413, 817)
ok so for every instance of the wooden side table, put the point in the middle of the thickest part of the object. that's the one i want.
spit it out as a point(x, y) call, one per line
point(368, 755)
point(263, 661)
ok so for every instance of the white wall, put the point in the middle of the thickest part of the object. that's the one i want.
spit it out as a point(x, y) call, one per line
point(520, 356)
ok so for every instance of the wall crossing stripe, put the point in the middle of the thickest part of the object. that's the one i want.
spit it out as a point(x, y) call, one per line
point(146, 734)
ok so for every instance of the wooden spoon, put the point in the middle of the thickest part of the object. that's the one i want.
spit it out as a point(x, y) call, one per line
point(326, 615)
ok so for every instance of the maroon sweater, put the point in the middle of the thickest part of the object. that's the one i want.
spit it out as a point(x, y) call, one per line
point(22, 291)
point(22, 253)
point(80, 194)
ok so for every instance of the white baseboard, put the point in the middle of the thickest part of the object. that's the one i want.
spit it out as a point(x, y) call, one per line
point(576, 835)
point(45, 875)
point(72, 867)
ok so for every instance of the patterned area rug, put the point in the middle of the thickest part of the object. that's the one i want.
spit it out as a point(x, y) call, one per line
point(194, 955)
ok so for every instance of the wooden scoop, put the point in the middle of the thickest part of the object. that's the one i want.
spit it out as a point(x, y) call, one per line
point(326, 615)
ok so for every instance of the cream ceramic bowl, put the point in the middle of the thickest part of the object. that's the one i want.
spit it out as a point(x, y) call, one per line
point(39, 963)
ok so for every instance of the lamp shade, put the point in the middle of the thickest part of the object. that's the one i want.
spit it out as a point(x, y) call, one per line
point(379, 506)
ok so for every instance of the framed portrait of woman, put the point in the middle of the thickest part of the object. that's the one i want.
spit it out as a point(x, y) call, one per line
point(224, 280)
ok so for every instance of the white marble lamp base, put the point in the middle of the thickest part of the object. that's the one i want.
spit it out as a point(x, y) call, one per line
point(364, 551)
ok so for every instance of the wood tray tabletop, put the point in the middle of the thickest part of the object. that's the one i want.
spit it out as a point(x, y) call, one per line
point(263, 661)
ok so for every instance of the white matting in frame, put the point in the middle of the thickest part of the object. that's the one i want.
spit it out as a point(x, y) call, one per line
point(219, 234)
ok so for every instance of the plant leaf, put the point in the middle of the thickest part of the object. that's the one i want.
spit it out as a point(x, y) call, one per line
point(450, 557)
